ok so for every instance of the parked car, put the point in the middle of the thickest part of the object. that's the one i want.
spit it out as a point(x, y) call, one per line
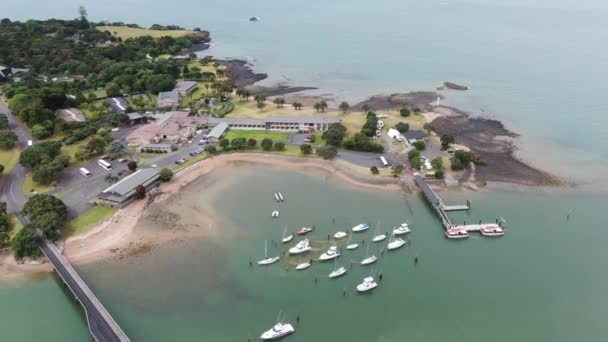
point(122, 160)
point(180, 161)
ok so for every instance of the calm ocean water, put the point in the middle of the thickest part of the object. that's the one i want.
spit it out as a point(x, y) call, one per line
point(538, 67)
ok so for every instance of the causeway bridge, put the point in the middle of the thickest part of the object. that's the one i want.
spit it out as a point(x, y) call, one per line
point(102, 326)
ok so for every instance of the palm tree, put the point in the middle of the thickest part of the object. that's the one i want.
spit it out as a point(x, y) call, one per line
point(344, 106)
point(322, 105)
point(317, 106)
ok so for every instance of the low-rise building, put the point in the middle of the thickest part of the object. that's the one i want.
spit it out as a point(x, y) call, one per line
point(162, 148)
point(168, 99)
point(279, 123)
point(394, 134)
point(174, 128)
point(136, 118)
point(217, 132)
point(124, 191)
point(4, 73)
point(72, 115)
point(118, 104)
point(185, 88)
point(413, 135)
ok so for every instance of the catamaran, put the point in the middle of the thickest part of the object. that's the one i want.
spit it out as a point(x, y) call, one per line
point(404, 228)
point(337, 271)
point(395, 243)
point(301, 247)
point(286, 238)
point(279, 330)
point(368, 284)
point(340, 235)
point(361, 227)
point(332, 253)
point(267, 260)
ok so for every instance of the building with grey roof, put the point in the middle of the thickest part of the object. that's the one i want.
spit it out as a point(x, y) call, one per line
point(72, 115)
point(185, 88)
point(4, 73)
point(217, 132)
point(279, 123)
point(123, 192)
point(414, 135)
point(118, 104)
point(168, 99)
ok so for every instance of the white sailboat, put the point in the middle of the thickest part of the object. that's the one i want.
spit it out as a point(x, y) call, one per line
point(303, 266)
point(337, 272)
point(267, 260)
point(368, 284)
point(369, 259)
point(340, 235)
point(378, 237)
point(395, 243)
point(404, 228)
point(332, 253)
point(286, 238)
point(279, 330)
point(351, 245)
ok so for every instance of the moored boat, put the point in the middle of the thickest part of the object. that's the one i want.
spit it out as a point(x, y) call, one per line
point(280, 329)
point(338, 271)
point(368, 284)
point(378, 238)
point(492, 230)
point(276, 197)
point(352, 246)
point(267, 260)
point(395, 243)
point(402, 229)
point(275, 213)
point(332, 253)
point(301, 247)
point(361, 227)
point(340, 235)
point(281, 197)
point(303, 266)
point(369, 260)
point(305, 230)
point(456, 233)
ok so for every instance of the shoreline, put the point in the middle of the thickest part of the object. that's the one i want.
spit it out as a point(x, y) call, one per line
point(116, 236)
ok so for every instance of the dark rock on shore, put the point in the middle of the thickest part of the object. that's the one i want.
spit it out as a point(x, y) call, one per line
point(416, 99)
point(493, 143)
point(452, 86)
point(240, 72)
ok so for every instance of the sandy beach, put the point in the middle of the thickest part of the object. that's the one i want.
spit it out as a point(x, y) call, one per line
point(117, 236)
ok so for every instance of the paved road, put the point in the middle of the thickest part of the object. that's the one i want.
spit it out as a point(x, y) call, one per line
point(11, 191)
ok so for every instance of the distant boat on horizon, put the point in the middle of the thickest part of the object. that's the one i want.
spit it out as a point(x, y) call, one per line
point(255, 19)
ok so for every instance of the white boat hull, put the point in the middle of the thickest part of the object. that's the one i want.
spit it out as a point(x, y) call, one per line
point(379, 238)
point(276, 333)
point(295, 251)
point(268, 261)
point(287, 238)
point(360, 228)
point(352, 246)
point(340, 235)
point(303, 266)
point(275, 213)
point(369, 260)
point(397, 243)
point(365, 288)
point(325, 257)
point(337, 273)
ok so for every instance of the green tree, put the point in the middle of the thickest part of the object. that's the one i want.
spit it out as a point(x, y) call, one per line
point(306, 149)
point(165, 175)
point(327, 152)
point(238, 143)
point(261, 105)
point(279, 146)
point(404, 112)
point(224, 144)
point(252, 143)
point(23, 244)
point(334, 134)
point(1, 169)
point(439, 174)
point(437, 163)
point(402, 127)
point(361, 142)
point(297, 105)
point(39, 131)
point(414, 157)
point(211, 149)
point(7, 140)
point(278, 101)
point(419, 145)
point(344, 106)
point(428, 127)
point(132, 165)
point(3, 121)
point(115, 149)
point(397, 170)
point(33, 156)
point(446, 141)
point(267, 144)
point(374, 170)
point(112, 89)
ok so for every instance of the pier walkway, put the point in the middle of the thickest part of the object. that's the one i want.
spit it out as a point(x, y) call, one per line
point(440, 208)
point(102, 326)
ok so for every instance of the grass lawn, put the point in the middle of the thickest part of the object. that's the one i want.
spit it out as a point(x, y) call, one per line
point(149, 101)
point(132, 32)
point(248, 109)
point(89, 219)
point(15, 224)
point(9, 158)
point(30, 187)
point(190, 161)
point(257, 135)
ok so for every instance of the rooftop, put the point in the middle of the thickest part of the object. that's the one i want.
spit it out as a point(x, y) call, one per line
point(168, 96)
point(72, 114)
point(414, 134)
point(134, 116)
point(236, 121)
point(185, 86)
point(126, 186)
point(218, 130)
point(304, 119)
point(118, 104)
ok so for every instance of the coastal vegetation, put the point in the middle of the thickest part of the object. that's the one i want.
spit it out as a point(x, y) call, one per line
point(461, 159)
point(88, 219)
point(5, 225)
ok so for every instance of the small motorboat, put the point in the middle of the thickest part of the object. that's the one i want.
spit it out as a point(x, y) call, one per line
point(305, 230)
point(303, 266)
point(340, 235)
point(332, 253)
point(255, 19)
point(275, 213)
point(279, 330)
point(301, 247)
point(281, 196)
point(267, 260)
point(395, 243)
point(352, 246)
point(456, 233)
point(378, 238)
point(369, 260)
point(368, 284)
point(492, 230)
point(361, 227)
point(276, 197)
point(402, 229)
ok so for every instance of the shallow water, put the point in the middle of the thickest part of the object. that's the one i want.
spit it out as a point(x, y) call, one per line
point(545, 277)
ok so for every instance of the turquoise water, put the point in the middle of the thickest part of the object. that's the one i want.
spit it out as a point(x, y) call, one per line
point(540, 67)
point(543, 281)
